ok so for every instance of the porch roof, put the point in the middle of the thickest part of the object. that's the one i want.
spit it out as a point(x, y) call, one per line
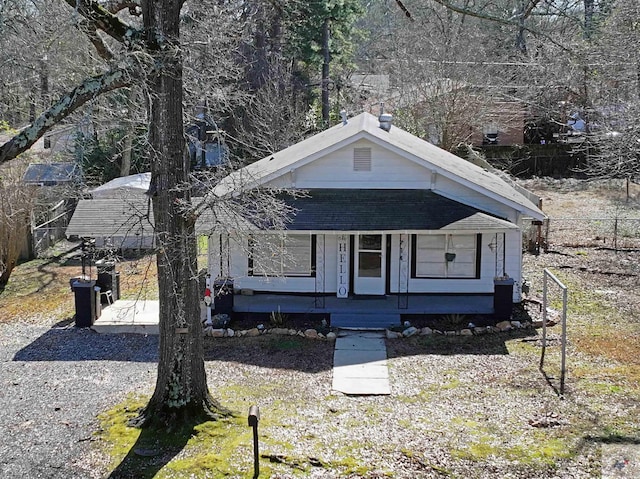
point(386, 210)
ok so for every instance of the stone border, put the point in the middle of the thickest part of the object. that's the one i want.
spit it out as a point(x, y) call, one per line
point(501, 327)
point(258, 331)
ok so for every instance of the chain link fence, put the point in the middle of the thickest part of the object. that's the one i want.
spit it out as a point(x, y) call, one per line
point(615, 233)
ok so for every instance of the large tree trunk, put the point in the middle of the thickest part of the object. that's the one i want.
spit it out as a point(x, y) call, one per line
point(181, 389)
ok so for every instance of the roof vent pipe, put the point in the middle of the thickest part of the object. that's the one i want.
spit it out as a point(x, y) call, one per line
point(385, 120)
point(343, 115)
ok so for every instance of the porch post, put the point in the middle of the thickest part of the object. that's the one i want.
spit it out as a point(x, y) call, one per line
point(403, 272)
point(343, 266)
point(320, 271)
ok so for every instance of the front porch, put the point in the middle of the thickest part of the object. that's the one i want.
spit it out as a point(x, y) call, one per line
point(142, 316)
point(388, 304)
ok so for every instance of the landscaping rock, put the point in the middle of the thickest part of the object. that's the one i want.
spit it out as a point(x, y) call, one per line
point(516, 324)
point(230, 333)
point(480, 330)
point(466, 332)
point(504, 326)
point(426, 331)
point(253, 332)
point(407, 333)
point(217, 333)
point(280, 331)
point(331, 336)
point(311, 333)
point(393, 334)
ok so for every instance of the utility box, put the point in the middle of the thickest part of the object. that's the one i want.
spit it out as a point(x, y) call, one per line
point(503, 298)
point(85, 299)
point(108, 279)
point(223, 296)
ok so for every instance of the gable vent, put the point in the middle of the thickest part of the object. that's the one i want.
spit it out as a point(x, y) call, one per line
point(362, 159)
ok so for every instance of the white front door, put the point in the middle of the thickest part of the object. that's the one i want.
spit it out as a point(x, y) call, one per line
point(369, 264)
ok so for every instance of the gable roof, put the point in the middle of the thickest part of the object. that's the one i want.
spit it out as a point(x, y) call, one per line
point(366, 126)
point(112, 217)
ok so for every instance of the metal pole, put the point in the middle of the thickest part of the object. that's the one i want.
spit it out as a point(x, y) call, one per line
point(563, 369)
point(254, 418)
point(544, 318)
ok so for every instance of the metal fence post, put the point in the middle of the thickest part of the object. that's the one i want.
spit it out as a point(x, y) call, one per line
point(254, 418)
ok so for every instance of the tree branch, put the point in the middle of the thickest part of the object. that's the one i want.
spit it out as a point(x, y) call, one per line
point(104, 20)
point(89, 89)
point(502, 21)
point(115, 6)
point(99, 44)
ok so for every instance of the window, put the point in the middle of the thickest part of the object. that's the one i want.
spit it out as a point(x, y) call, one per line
point(362, 159)
point(282, 255)
point(445, 256)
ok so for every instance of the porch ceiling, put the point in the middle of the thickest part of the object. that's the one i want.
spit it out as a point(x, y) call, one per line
point(388, 210)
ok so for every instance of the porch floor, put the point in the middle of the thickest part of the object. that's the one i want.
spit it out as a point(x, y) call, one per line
point(142, 316)
point(414, 304)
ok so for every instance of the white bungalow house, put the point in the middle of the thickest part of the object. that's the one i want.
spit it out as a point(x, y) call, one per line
point(385, 216)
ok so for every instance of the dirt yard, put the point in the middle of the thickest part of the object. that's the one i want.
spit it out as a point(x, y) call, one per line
point(472, 407)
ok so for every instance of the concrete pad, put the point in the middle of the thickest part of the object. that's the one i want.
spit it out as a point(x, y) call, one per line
point(360, 343)
point(360, 365)
point(344, 357)
point(362, 371)
point(127, 316)
point(362, 386)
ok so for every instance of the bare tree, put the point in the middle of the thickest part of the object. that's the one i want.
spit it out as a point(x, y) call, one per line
point(16, 201)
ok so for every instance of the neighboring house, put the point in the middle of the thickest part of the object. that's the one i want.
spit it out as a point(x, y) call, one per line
point(385, 215)
point(52, 174)
point(118, 216)
point(57, 185)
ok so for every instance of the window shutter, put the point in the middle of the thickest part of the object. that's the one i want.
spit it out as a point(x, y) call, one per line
point(362, 159)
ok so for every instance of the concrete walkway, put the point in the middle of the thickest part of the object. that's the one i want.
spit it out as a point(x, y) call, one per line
point(360, 364)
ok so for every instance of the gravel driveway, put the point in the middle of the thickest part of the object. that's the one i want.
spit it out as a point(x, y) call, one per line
point(460, 407)
point(53, 382)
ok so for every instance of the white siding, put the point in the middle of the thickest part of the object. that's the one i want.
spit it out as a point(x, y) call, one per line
point(388, 170)
point(239, 270)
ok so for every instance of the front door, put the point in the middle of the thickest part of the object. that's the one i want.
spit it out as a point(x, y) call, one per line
point(369, 264)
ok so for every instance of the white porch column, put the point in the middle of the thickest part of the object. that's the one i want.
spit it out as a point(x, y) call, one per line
point(214, 256)
point(343, 266)
point(403, 260)
point(320, 266)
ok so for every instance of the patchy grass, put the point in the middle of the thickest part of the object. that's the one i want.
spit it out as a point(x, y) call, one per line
point(38, 291)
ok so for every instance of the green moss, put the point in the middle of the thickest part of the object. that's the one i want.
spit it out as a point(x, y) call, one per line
point(213, 449)
point(543, 452)
point(113, 426)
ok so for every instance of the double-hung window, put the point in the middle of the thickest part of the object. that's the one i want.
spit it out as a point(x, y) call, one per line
point(445, 256)
point(281, 255)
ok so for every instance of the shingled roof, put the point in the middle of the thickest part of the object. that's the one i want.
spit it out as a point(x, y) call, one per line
point(112, 217)
point(388, 210)
point(366, 126)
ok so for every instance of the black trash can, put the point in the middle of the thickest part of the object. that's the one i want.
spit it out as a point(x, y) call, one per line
point(503, 298)
point(108, 279)
point(223, 296)
point(85, 299)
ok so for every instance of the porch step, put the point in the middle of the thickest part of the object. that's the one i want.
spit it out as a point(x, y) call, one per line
point(364, 321)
